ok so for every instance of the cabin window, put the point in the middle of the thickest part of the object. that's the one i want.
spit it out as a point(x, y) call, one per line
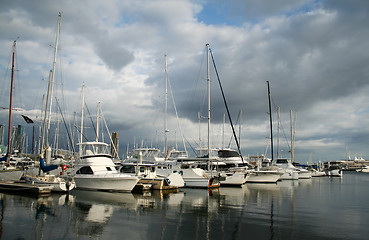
point(127, 169)
point(282, 161)
point(85, 170)
point(108, 168)
point(152, 169)
point(142, 169)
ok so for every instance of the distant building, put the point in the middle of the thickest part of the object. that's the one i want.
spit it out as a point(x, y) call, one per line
point(115, 145)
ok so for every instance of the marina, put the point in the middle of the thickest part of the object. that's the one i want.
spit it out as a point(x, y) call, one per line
point(316, 208)
point(193, 169)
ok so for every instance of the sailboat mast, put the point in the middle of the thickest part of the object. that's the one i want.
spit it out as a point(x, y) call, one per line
point(279, 127)
point(97, 121)
point(240, 128)
point(292, 138)
point(53, 75)
point(45, 114)
point(209, 113)
point(82, 112)
point(11, 103)
point(270, 122)
point(166, 107)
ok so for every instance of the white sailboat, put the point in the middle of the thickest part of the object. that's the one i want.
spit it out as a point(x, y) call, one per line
point(303, 173)
point(192, 175)
point(60, 184)
point(268, 174)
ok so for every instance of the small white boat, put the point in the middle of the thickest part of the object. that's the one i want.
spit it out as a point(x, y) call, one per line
point(317, 173)
point(197, 178)
point(234, 177)
point(333, 169)
point(364, 169)
point(290, 172)
point(304, 173)
point(172, 172)
point(335, 173)
point(58, 184)
point(148, 176)
point(96, 170)
point(264, 176)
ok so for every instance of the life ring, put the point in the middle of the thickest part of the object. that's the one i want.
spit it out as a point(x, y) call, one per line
point(64, 167)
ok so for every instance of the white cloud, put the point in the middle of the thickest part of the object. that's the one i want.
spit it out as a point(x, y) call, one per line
point(312, 53)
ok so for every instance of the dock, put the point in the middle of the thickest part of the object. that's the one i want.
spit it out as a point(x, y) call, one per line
point(23, 187)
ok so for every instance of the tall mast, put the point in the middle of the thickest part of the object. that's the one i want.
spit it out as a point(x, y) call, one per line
point(270, 122)
point(82, 112)
point(279, 127)
point(223, 130)
point(209, 113)
point(97, 121)
point(292, 137)
point(11, 104)
point(291, 129)
point(53, 75)
point(166, 107)
point(240, 128)
point(45, 114)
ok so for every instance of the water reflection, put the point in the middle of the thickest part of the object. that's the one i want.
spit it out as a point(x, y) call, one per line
point(286, 210)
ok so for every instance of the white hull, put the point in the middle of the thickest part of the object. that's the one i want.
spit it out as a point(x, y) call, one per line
point(304, 174)
point(318, 174)
point(335, 173)
point(235, 179)
point(58, 184)
point(201, 182)
point(96, 170)
point(176, 179)
point(290, 175)
point(117, 183)
point(364, 169)
point(264, 177)
point(194, 180)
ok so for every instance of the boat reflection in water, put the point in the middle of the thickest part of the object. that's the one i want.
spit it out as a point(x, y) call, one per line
point(303, 209)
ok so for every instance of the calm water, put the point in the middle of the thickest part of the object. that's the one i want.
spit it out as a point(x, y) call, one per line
point(319, 208)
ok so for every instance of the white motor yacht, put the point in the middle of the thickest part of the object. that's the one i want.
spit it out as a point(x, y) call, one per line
point(96, 170)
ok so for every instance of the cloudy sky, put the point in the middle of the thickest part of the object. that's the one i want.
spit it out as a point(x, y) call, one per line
point(314, 54)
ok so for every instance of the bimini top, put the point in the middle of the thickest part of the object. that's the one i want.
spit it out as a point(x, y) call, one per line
point(95, 149)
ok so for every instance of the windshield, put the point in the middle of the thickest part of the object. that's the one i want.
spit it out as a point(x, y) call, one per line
point(227, 154)
point(95, 149)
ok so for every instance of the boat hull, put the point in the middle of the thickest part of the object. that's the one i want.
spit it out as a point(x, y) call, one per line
point(335, 173)
point(290, 175)
point(318, 174)
point(11, 174)
point(264, 177)
point(157, 183)
point(235, 179)
point(199, 179)
point(58, 184)
point(304, 174)
point(105, 183)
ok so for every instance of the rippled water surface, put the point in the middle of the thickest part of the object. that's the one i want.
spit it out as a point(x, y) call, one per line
point(318, 208)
